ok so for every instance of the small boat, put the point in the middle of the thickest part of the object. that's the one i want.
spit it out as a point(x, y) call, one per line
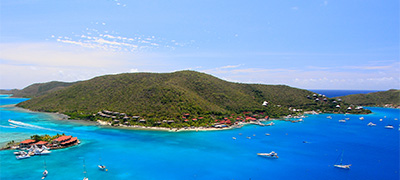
point(395, 119)
point(267, 134)
point(329, 117)
point(24, 155)
point(272, 155)
point(45, 172)
point(102, 167)
point(42, 152)
point(371, 124)
point(340, 164)
point(342, 121)
point(233, 138)
point(380, 119)
point(19, 152)
point(248, 137)
point(389, 127)
point(347, 118)
point(361, 118)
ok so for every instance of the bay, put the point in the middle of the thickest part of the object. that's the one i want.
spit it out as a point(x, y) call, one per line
point(133, 154)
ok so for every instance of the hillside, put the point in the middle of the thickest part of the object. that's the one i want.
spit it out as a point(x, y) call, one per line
point(374, 99)
point(157, 96)
point(37, 89)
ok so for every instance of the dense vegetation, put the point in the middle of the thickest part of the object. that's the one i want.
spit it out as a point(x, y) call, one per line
point(391, 97)
point(37, 89)
point(164, 96)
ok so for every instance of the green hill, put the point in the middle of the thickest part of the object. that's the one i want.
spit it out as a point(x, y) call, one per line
point(374, 99)
point(158, 96)
point(37, 89)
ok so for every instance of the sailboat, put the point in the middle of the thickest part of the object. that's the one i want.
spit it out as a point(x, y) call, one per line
point(84, 171)
point(45, 172)
point(341, 165)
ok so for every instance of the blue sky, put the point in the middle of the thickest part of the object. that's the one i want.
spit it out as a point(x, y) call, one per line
point(319, 44)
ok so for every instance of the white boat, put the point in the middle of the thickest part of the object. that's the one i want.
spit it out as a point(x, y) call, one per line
point(272, 154)
point(45, 172)
point(329, 117)
point(42, 152)
point(340, 164)
point(342, 121)
point(371, 124)
point(102, 167)
point(19, 152)
point(267, 134)
point(24, 155)
point(389, 127)
point(233, 138)
point(347, 118)
point(361, 118)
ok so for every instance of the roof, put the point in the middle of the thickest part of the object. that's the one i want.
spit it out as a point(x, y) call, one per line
point(69, 141)
point(41, 143)
point(63, 138)
point(28, 141)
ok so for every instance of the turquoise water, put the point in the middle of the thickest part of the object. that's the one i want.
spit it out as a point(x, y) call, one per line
point(129, 154)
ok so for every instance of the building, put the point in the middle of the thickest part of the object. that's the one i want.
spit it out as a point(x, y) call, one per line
point(27, 143)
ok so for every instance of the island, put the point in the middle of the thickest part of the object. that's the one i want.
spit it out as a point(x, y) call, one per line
point(180, 100)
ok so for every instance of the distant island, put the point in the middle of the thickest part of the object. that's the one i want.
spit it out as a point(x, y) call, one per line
point(389, 98)
point(180, 99)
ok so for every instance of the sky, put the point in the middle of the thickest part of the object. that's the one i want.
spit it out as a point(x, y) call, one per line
point(317, 44)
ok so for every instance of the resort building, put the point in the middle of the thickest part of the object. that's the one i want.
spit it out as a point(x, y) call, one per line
point(27, 143)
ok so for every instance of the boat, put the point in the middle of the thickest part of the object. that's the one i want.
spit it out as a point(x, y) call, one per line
point(347, 118)
point(340, 164)
point(342, 121)
point(101, 166)
point(329, 117)
point(272, 155)
point(24, 155)
point(361, 118)
point(19, 152)
point(371, 124)
point(45, 172)
point(389, 127)
point(233, 138)
point(267, 134)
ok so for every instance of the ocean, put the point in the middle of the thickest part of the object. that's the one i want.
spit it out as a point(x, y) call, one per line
point(336, 93)
point(137, 154)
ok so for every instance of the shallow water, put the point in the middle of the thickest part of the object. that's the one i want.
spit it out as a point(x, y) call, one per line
point(132, 154)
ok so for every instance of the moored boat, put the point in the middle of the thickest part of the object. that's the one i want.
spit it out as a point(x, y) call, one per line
point(272, 155)
point(342, 121)
point(340, 164)
point(23, 155)
point(389, 127)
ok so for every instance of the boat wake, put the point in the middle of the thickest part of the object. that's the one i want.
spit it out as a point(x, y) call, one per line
point(7, 126)
point(28, 126)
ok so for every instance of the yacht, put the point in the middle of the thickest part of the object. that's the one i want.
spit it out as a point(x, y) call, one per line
point(389, 127)
point(340, 164)
point(24, 155)
point(361, 118)
point(272, 154)
point(342, 121)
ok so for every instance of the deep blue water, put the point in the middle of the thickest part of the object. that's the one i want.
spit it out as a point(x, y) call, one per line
point(336, 93)
point(132, 154)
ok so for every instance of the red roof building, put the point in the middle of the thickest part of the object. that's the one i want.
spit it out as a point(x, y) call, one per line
point(63, 138)
point(28, 141)
point(41, 143)
point(70, 141)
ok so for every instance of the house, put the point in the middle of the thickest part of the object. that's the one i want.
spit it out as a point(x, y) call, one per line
point(27, 143)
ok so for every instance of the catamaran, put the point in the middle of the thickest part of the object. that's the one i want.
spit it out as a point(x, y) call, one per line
point(341, 165)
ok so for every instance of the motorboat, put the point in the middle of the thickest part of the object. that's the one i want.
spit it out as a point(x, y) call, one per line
point(233, 138)
point(389, 127)
point(45, 172)
point(19, 152)
point(361, 118)
point(272, 155)
point(42, 152)
point(24, 155)
point(371, 124)
point(342, 121)
point(102, 167)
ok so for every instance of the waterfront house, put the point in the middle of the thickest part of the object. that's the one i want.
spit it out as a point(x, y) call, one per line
point(27, 143)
